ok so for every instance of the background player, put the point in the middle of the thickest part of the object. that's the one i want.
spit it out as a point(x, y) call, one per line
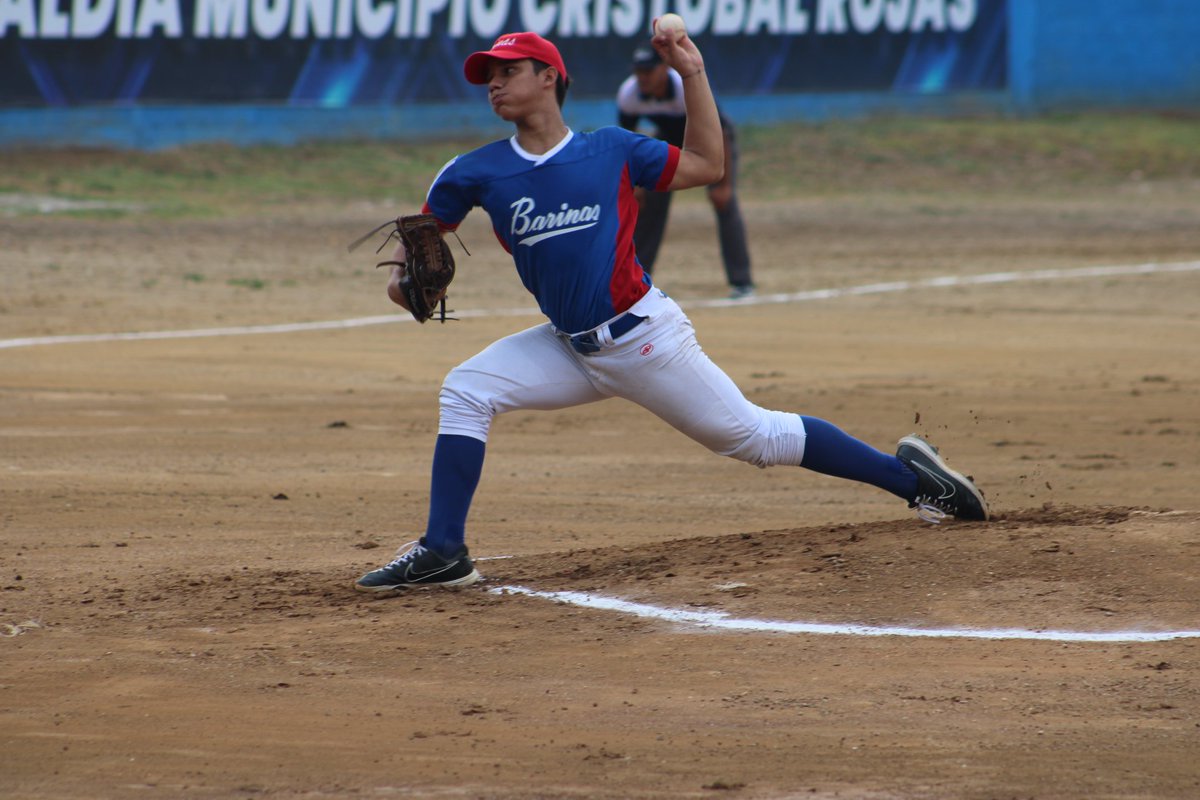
point(654, 92)
point(562, 204)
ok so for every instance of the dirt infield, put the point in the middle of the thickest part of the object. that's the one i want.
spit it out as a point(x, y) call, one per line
point(183, 517)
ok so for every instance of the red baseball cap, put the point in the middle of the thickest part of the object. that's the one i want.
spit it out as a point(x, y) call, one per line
point(514, 47)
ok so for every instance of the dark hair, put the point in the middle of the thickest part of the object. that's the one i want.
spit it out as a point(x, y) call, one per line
point(561, 83)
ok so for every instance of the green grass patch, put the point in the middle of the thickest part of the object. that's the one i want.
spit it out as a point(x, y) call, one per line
point(1002, 154)
point(247, 283)
point(1060, 153)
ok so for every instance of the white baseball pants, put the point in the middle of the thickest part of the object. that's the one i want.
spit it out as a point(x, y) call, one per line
point(659, 365)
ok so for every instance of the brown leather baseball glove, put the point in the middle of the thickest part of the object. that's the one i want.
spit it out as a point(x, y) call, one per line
point(428, 266)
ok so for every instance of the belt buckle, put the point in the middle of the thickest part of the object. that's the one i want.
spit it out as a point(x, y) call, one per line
point(588, 343)
point(585, 344)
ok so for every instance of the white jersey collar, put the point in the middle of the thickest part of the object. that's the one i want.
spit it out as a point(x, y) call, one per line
point(538, 159)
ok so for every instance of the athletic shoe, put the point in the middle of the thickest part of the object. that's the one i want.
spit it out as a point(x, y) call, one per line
point(741, 292)
point(419, 566)
point(940, 490)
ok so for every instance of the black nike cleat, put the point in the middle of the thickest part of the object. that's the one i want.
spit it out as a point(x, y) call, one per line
point(419, 566)
point(940, 490)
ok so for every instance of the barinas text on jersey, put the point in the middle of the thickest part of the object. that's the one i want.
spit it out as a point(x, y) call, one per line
point(555, 223)
point(422, 19)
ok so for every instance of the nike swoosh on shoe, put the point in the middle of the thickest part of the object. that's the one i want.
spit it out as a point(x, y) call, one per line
point(412, 575)
point(947, 488)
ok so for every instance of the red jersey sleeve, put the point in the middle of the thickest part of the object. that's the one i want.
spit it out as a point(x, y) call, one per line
point(668, 173)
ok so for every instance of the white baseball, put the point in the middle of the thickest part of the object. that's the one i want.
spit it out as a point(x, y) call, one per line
point(670, 23)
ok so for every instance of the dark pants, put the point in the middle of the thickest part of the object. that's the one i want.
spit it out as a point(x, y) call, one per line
point(731, 231)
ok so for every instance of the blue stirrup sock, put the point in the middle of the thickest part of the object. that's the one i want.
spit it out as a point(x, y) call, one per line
point(457, 465)
point(830, 451)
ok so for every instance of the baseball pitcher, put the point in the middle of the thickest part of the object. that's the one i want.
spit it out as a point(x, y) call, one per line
point(562, 204)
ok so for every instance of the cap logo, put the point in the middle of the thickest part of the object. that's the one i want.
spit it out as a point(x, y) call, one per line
point(509, 42)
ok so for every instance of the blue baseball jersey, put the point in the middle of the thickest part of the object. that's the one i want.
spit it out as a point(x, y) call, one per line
point(566, 216)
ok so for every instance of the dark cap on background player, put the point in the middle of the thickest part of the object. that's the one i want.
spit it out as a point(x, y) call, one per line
point(514, 47)
point(646, 58)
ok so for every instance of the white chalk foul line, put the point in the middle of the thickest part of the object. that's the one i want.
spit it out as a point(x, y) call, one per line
point(943, 282)
point(248, 330)
point(78, 338)
point(722, 621)
point(948, 281)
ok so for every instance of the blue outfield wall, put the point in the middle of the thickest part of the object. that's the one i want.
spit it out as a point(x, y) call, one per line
point(1069, 55)
point(1040, 56)
point(157, 128)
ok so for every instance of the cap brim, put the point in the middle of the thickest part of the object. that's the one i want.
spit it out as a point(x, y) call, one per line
point(476, 65)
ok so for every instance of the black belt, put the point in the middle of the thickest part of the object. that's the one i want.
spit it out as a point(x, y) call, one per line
point(588, 343)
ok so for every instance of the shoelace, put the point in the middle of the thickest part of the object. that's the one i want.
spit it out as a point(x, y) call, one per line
point(403, 555)
point(930, 513)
